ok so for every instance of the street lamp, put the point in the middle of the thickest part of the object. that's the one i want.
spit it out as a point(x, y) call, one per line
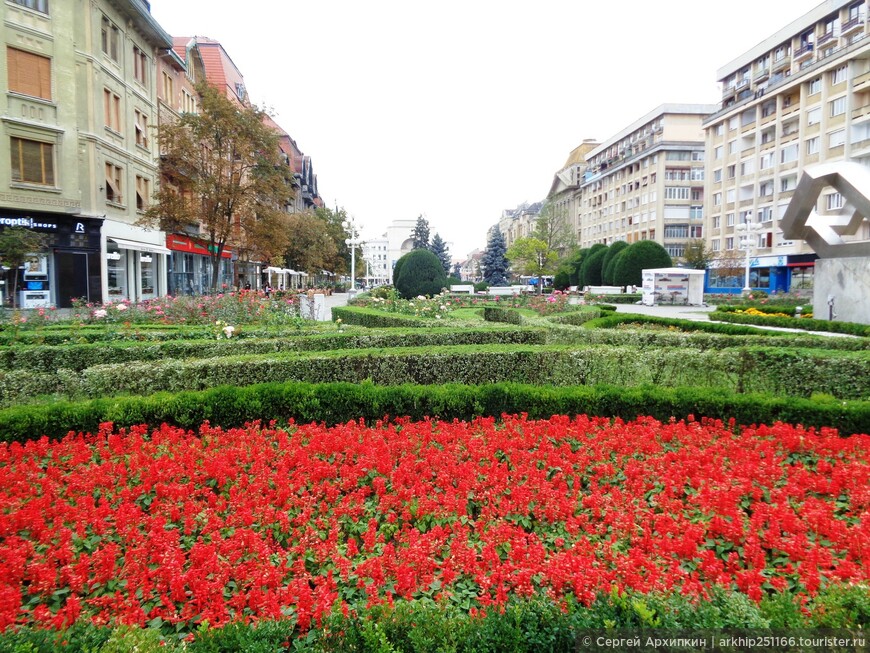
point(352, 241)
point(748, 232)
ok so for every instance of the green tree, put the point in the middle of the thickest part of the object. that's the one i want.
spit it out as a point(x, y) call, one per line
point(222, 171)
point(311, 247)
point(586, 254)
point(532, 257)
point(592, 267)
point(333, 221)
point(421, 233)
point(696, 254)
point(642, 255)
point(17, 245)
point(554, 228)
point(420, 273)
point(439, 248)
point(495, 263)
point(607, 268)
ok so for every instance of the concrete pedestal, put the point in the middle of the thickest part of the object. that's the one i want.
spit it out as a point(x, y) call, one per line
point(841, 287)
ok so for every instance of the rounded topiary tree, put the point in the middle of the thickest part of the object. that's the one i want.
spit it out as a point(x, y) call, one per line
point(590, 271)
point(607, 267)
point(420, 273)
point(642, 255)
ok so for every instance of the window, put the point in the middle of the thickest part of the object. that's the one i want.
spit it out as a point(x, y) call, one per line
point(676, 231)
point(111, 39)
point(112, 108)
point(696, 212)
point(729, 242)
point(717, 152)
point(732, 123)
point(113, 184)
point(140, 62)
point(814, 116)
point(36, 5)
point(188, 102)
point(143, 193)
point(717, 222)
point(720, 129)
point(730, 195)
point(766, 161)
point(813, 145)
point(729, 219)
point(789, 153)
point(838, 76)
point(732, 171)
point(732, 147)
point(32, 162)
point(717, 175)
point(715, 245)
point(747, 167)
point(29, 74)
point(698, 174)
point(676, 193)
point(834, 201)
point(717, 199)
point(838, 106)
point(814, 86)
point(141, 128)
point(765, 188)
point(697, 156)
point(837, 138)
point(168, 89)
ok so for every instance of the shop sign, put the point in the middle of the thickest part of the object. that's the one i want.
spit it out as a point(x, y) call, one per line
point(28, 223)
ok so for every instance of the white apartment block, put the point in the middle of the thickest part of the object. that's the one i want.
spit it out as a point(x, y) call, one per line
point(647, 181)
point(800, 97)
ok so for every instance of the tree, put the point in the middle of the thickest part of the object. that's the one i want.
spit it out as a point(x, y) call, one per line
point(420, 274)
point(439, 248)
point(592, 267)
point(223, 171)
point(311, 248)
point(696, 255)
point(586, 253)
point(457, 271)
point(421, 233)
point(607, 268)
point(17, 245)
point(495, 263)
point(532, 257)
point(642, 255)
point(553, 227)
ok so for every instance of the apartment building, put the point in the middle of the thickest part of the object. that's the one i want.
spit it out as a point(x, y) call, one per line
point(647, 181)
point(565, 196)
point(800, 97)
point(76, 116)
point(519, 222)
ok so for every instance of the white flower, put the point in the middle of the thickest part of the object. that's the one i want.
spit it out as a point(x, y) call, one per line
point(228, 331)
point(420, 297)
point(121, 307)
point(443, 307)
point(100, 313)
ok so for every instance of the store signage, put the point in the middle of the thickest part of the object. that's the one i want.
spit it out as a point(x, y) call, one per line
point(145, 258)
point(28, 223)
point(113, 256)
point(80, 228)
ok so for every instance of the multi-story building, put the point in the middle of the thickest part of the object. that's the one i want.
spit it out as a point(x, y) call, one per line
point(800, 97)
point(519, 222)
point(647, 181)
point(77, 114)
point(565, 196)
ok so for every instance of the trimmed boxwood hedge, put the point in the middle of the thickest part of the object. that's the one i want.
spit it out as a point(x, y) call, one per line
point(501, 314)
point(77, 357)
point(337, 403)
point(781, 371)
point(804, 323)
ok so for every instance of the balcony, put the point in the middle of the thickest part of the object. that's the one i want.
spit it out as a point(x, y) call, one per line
point(824, 38)
point(804, 52)
point(861, 82)
point(781, 64)
point(861, 113)
point(852, 25)
point(761, 75)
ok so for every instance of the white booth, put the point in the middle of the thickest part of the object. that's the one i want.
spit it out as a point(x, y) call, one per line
point(678, 286)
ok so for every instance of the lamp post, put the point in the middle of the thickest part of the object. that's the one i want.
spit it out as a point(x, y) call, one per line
point(748, 232)
point(352, 241)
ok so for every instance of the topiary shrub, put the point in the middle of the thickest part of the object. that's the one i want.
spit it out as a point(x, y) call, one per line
point(421, 273)
point(608, 266)
point(642, 255)
point(592, 266)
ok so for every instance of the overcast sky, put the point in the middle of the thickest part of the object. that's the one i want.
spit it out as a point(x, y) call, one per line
point(459, 109)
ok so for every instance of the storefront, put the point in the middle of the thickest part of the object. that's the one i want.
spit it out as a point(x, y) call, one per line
point(136, 262)
point(190, 266)
point(771, 274)
point(69, 266)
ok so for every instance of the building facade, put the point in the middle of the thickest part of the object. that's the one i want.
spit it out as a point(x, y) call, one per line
point(565, 196)
point(800, 97)
point(519, 222)
point(647, 181)
point(76, 118)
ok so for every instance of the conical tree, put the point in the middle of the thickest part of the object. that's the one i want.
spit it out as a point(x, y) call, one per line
point(439, 248)
point(495, 263)
point(421, 233)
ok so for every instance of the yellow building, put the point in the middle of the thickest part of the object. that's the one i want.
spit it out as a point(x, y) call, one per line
point(647, 181)
point(800, 97)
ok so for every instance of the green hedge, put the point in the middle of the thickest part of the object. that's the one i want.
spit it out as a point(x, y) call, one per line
point(524, 625)
point(625, 298)
point(337, 403)
point(373, 318)
point(805, 324)
point(500, 314)
point(49, 358)
point(780, 371)
point(620, 319)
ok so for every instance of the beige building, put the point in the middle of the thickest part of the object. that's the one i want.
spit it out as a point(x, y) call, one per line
point(565, 196)
point(519, 222)
point(77, 119)
point(647, 181)
point(800, 97)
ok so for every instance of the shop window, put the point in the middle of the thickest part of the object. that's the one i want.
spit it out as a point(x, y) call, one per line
point(28, 73)
point(147, 275)
point(116, 271)
point(32, 161)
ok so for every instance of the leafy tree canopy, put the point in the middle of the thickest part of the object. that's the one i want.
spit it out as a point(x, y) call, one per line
point(696, 255)
point(607, 268)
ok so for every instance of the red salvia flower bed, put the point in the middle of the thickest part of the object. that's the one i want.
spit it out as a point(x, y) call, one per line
point(266, 522)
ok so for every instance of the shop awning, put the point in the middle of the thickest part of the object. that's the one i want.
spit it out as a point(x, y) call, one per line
point(142, 247)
